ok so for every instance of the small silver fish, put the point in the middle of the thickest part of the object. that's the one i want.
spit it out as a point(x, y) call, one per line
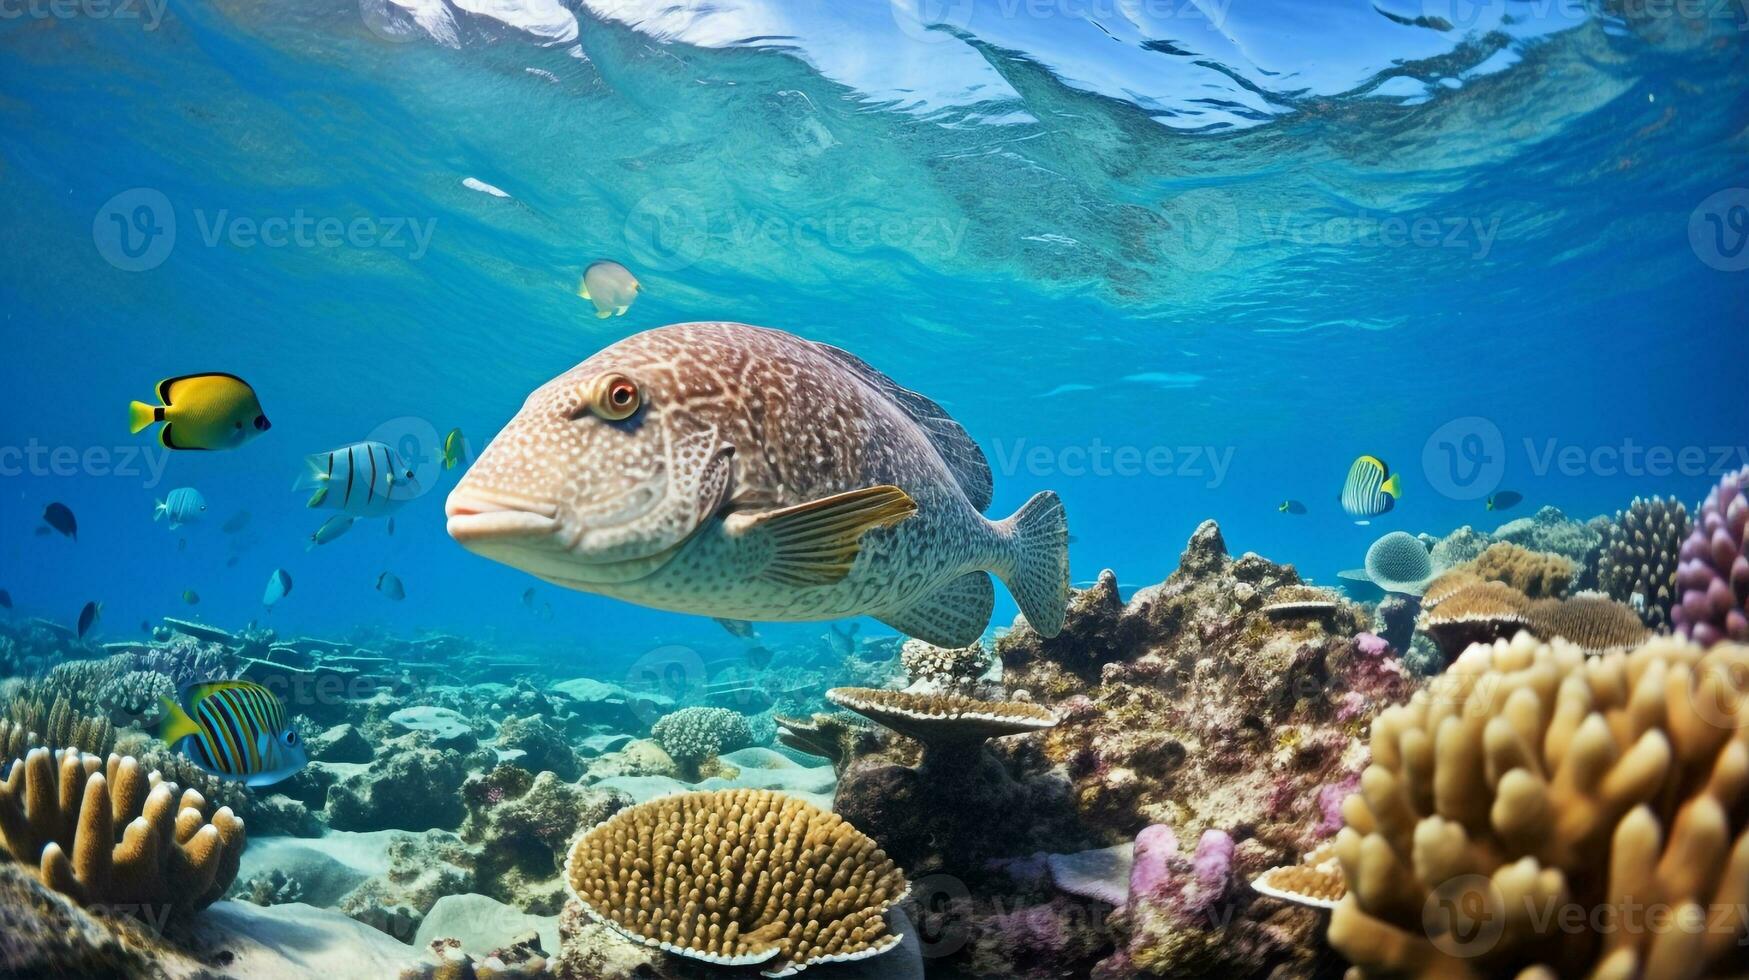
point(365, 479)
point(279, 585)
point(183, 505)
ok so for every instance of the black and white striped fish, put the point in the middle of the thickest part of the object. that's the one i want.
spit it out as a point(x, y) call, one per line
point(1371, 488)
point(234, 730)
point(365, 479)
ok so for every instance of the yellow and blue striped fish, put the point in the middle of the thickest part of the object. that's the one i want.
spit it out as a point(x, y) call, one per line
point(1371, 488)
point(234, 730)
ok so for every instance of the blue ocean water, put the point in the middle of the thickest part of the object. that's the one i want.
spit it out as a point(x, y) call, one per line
point(1174, 261)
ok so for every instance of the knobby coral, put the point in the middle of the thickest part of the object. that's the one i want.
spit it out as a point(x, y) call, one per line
point(694, 736)
point(1637, 561)
point(1713, 575)
point(1537, 574)
point(738, 878)
point(61, 812)
point(1530, 781)
point(944, 669)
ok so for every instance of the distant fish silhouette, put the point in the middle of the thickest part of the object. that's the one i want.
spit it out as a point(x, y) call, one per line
point(236, 522)
point(60, 517)
point(88, 618)
point(1291, 507)
point(5, 600)
point(388, 584)
point(279, 585)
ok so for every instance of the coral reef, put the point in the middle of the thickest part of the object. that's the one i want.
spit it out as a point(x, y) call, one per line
point(738, 878)
point(112, 834)
point(1539, 575)
point(1528, 780)
point(950, 727)
point(1399, 562)
point(1549, 530)
point(53, 724)
point(695, 736)
point(939, 670)
point(521, 825)
point(840, 738)
point(1639, 555)
point(543, 747)
point(410, 786)
point(1461, 608)
point(1712, 578)
point(1214, 716)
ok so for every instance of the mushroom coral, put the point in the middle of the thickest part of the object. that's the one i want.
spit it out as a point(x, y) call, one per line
point(738, 878)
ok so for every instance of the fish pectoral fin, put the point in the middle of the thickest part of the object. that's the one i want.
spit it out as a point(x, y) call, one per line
point(951, 616)
point(320, 495)
point(816, 543)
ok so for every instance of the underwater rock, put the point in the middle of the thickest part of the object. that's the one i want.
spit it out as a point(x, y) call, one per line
point(295, 941)
point(276, 813)
point(1214, 716)
point(612, 706)
point(1396, 616)
point(446, 726)
point(44, 934)
point(420, 870)
point(411, 786)
point(841, 738)
point(341, 743)
point(1552, 531)
point(640, 757)
point(1093, 635)
point(1460, 546)
point(543, 747)
point(481, 924)
point(520, 826)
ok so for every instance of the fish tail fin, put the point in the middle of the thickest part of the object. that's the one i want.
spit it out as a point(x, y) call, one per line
point(1393, 486)
point(1038, 563)
point(1489, 505)
point(141, 415)
point(1282, 507)
point(176, 725)
point(315, 474)
point(159, 510)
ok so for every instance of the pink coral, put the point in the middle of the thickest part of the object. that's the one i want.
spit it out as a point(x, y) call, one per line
point(1372, 644)
point(1712, 576)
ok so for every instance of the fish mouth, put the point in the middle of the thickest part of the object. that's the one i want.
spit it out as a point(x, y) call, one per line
point(529, 535)
point(477, 518)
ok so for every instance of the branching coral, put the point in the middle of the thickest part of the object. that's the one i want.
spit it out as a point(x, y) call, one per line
point(55, 724)
point(695, 736)
point(1530, 782)
point(1713, 576)
point(1637, 561)
point(62, 813)
point(738, 878)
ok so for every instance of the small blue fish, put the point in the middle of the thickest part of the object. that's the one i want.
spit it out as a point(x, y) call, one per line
point(1504, 499)
point(184, 505)
point(332, 528)
point(279, 585)
point(388, 584)
point(234, 730)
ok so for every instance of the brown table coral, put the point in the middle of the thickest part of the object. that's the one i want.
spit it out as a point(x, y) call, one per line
point(738, 878)
point(61, 813)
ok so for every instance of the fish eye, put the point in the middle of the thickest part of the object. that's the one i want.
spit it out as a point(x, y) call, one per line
point(614, 397)
point(291, 738)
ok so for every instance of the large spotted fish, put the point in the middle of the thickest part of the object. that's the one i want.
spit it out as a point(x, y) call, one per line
point(745, 473)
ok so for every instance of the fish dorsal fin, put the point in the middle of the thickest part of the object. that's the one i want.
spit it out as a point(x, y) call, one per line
point(962, 456)
point(167, 387)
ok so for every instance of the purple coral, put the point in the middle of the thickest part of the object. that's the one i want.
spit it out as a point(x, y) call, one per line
point(1185, 886)
point(1712, 577)
point(1372, 644)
